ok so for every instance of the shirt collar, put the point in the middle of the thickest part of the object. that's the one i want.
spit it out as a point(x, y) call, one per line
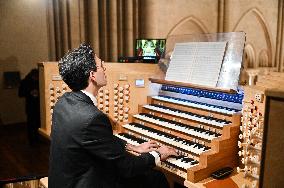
point(93, 98)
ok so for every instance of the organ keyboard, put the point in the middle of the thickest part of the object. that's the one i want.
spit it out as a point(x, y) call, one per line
point(178, 164)
point(201, 124)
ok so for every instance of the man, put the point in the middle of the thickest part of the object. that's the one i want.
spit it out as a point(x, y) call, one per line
point(84, 153)
point(29, 88)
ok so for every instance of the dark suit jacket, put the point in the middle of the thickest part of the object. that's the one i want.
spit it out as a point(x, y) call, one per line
point(84, 153)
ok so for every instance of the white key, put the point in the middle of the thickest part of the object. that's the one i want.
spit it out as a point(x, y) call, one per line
point(200, 106)
point(184, 115)
point(165, 139)
point(175, 127)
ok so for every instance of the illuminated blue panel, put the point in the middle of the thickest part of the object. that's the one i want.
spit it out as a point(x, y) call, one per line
point(236, 98)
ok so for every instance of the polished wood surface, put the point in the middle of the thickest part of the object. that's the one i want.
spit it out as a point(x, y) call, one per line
point(234, 180)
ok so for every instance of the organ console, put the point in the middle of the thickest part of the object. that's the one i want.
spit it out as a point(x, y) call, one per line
point(201, 124)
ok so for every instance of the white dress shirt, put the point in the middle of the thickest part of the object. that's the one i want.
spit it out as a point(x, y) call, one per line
point(93, 98)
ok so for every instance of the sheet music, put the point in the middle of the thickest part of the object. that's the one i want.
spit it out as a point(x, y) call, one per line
point(197, 63)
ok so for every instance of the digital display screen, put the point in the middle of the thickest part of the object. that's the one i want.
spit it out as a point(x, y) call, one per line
point(139, 83)
point(150, 48)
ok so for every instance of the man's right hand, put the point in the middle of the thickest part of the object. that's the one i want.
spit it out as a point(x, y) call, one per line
point(144, 147)
point(166, 151)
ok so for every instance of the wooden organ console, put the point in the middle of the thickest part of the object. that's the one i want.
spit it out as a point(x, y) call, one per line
point(200, 123)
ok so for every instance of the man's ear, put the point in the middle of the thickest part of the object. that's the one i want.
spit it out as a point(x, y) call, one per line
point(92, 77)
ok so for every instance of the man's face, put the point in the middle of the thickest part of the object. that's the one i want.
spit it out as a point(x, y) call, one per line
point(100, 76)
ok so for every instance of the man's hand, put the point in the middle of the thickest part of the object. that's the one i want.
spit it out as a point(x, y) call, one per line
point(144, 147)
point(166, 151)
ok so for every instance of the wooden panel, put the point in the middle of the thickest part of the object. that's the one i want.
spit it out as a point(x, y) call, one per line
point(224, 155)
point(50, 81)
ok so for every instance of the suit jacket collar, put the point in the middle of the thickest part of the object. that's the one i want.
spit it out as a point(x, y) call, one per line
point(82, 96)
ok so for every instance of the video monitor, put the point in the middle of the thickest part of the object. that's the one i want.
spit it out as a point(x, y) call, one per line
point(150, 48)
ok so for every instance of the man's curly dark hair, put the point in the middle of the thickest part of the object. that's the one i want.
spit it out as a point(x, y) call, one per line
point(76, 65)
